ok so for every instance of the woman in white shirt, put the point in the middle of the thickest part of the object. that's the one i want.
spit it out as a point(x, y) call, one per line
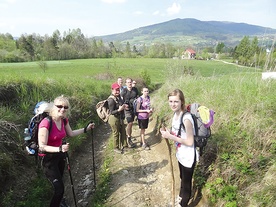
point(186, 153)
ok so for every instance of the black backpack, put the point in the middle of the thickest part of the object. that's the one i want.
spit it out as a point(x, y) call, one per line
point(202, 130)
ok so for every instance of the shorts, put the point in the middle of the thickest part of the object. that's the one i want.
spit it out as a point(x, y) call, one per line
point(143, 123)
point(129, 115)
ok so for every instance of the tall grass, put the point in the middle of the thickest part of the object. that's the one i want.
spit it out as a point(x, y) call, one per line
point(239, 158)
point(243, 134)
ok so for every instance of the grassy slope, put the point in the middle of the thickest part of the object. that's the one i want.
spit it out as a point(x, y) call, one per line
point(244, 127)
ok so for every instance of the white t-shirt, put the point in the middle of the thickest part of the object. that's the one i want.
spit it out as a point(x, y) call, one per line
point(184, 154)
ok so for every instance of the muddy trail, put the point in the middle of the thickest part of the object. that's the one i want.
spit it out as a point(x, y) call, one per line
point(139, 177)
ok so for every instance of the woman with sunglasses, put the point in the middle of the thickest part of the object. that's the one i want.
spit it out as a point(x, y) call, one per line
point(50, 136)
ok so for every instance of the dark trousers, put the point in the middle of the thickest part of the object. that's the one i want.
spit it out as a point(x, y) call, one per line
point(53, 166)
point(186, 176)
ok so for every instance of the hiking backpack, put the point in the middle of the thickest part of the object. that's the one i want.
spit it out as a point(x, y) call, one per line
point(41, 111)
point(203, 119)
point(103, 110)
point(135, 105)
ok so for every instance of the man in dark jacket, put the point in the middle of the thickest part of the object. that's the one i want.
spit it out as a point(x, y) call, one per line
point(129, 94)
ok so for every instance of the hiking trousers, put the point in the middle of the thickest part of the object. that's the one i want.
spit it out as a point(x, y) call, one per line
point(118, 131)
point(186, 175)
point(53, 166)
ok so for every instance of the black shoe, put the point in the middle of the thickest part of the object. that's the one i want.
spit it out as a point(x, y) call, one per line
point(63, 203)
point(130, 143)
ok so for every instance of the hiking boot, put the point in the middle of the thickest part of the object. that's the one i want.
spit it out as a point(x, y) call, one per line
point(63, 203)
point(130, 143)
point(117, 150)
point(145, 146)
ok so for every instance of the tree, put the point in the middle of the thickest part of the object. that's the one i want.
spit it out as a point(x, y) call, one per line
point(219, 47)
point(127, 52)
point(25, 44)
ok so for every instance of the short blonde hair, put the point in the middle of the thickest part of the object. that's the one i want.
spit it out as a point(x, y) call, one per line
point(61, 99)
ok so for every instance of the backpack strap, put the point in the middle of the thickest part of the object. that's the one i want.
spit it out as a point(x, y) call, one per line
point(50, 119)
point(113, 97)
point(181, 124)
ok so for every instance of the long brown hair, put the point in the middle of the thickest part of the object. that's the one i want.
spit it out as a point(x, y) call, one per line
point(181, 96)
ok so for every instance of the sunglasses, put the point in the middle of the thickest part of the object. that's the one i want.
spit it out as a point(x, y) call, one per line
point(61, 106)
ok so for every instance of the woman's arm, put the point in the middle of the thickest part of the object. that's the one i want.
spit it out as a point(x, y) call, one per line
point(76, 132)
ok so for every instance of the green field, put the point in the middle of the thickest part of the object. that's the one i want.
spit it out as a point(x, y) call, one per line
point(241, 151)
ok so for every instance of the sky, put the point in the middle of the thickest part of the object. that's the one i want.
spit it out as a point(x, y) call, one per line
point(104, 17)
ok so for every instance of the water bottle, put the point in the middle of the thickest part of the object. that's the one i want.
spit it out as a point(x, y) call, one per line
point(27, 136)
point(27, 139)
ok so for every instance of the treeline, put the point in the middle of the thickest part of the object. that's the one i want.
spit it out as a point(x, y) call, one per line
point(74, 45)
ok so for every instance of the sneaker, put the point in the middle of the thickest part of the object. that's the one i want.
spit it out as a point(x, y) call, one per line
point(130, 143)
point(63, 203)
point(117, 150)
point(177, 201)
point(145, 147)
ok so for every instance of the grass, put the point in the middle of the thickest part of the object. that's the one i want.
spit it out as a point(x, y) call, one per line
point(243, 132)
point(239, 158)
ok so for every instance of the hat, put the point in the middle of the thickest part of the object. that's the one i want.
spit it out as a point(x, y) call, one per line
point(115, 86)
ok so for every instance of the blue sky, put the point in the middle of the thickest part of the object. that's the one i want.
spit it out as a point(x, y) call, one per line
point(103, 17)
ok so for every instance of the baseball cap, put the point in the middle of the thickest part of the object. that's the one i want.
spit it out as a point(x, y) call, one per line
point(115, 86)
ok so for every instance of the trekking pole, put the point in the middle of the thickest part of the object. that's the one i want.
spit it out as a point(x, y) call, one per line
point(93, 157)
point(171, 168)
point(70, 175)
point(172, 174)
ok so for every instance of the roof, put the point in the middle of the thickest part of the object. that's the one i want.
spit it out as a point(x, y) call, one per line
point(191, 51)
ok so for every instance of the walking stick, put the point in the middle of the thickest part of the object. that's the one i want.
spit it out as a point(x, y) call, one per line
point(70, 174)
point(172, 174)
point(171, 168)
point(71, 179)
point(93, 157)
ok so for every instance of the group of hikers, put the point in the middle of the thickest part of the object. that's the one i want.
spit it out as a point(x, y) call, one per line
point(122, 114)
point(121, 108)
point(120, 102)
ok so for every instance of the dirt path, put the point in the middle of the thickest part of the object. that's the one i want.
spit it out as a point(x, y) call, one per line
point(139, 177)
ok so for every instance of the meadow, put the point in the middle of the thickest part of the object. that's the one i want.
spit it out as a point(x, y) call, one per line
point(241, 152)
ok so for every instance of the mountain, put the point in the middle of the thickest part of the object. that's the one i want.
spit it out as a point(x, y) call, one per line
point(199, 31)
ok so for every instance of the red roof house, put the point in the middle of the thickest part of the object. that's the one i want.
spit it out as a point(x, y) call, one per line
point(189, 54)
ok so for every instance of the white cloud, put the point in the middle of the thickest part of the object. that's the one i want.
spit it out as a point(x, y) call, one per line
point(156, 13)
point(114, 1)
point(11, 1)
point(174, 9)
point(138, 12)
